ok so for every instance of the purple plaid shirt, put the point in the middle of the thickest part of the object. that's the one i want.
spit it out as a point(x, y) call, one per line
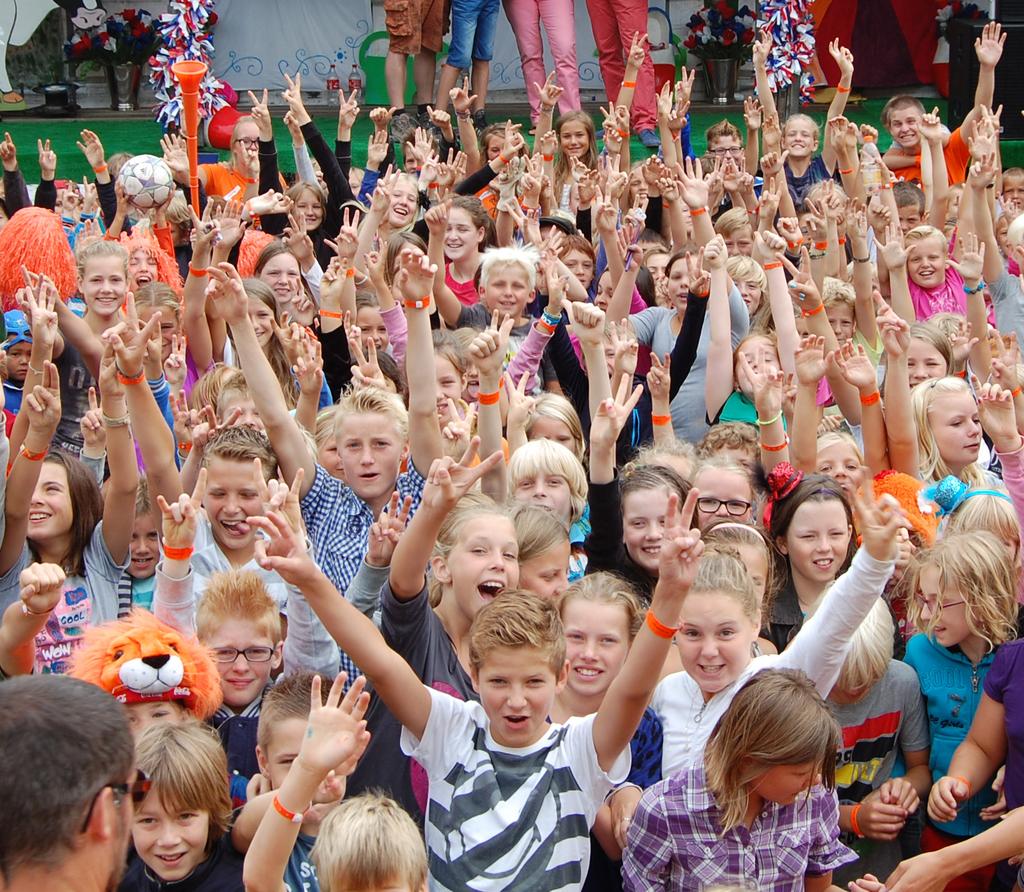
point(675, 843)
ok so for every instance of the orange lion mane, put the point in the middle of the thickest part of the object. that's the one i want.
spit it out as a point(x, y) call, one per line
point(105, 648)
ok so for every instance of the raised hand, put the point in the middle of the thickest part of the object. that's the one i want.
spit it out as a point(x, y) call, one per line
point(462, 100)
point(488, 348)
point(989, 47)
point(995, 406)
point(681, 548)
point(228, 294)
point(180, 517)
point(449, 480)
point(260, 113)
point(549, 92)
point(336, 732)
point(842, 57)
point(613, 413)
point(693, 189)
point(878, 521)
point(767, 381)
point(856, 368)
point(348, 109)
point(810, 361)
point(753, 113)
point(658, 379)
point(43, 403)
point(91, 146)
point(42, 586)
point(8, 153)
point(387, 529)
point(587, 323)
point(94, 432)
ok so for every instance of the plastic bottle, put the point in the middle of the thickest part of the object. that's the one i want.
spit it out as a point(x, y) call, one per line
point(332, 84)
point(871, 169)
point(355, 79)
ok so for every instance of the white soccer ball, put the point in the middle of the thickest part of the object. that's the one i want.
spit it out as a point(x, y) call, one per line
point(147, 181)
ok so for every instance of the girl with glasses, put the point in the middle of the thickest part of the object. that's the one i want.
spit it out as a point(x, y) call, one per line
point(964, 605)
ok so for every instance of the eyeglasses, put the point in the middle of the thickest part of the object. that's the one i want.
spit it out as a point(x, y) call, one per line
point(720, 153)
point(735, 507)
point(251, 654)
point(137, 789)
point(933, 603)
point(250, 142)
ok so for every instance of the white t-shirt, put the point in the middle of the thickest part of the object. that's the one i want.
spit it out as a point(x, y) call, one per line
point(501, 818)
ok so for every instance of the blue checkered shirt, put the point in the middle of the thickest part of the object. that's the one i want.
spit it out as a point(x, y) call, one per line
point(338, 524)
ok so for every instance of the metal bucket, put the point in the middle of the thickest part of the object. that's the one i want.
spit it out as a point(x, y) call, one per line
point(721, 77)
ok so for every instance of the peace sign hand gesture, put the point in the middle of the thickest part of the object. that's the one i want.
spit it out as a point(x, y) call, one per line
point(179, 517)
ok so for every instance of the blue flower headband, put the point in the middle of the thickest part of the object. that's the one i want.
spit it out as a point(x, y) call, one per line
point(950, 493)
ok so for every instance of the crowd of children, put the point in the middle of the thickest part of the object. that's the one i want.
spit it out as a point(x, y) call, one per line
point(473, 441)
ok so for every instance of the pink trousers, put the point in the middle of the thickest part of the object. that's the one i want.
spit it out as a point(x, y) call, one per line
point(526, 16)
point(614, 23)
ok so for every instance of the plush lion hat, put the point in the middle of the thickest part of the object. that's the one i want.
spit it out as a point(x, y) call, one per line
point(139, 659)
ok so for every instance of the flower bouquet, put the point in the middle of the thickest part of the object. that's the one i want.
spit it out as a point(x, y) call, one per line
point(721, 31)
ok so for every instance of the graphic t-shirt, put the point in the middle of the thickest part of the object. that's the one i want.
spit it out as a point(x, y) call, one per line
point(87, 600)
point(300, 874)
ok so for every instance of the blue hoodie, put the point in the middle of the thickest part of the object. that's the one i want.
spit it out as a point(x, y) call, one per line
point(952, 689)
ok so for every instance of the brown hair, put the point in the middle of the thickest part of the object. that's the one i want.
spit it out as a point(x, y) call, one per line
point(242, 443)
point(258, 290)
point(481, 219)
point(517, 620)
point(777, 718)
point(813, 488)
point(903, 100)
point(606, 588)
point(730, 435)
point(86, 511)
point(288, 699)
point(720, 129)
point(188, 770)
point(207, 389)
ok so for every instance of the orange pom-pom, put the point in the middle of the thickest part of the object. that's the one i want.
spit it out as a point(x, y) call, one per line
point(253, 243)
point(906, 489)
point(35, 238)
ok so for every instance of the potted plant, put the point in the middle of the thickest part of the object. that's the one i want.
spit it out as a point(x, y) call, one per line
point(721, 36)
point(121, 46)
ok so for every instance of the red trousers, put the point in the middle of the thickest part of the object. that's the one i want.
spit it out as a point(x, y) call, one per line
point(975, 881)
point(614, 23)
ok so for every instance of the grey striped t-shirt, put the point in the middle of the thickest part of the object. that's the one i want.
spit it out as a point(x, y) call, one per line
point(500, 818)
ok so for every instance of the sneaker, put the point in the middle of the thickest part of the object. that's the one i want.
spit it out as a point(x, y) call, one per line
point(649, 139)
point(403, 125)
point(424, 123)
point(479, 120)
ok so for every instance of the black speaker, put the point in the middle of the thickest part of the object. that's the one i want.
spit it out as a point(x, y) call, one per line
point(1009, 11)
point(963, 74)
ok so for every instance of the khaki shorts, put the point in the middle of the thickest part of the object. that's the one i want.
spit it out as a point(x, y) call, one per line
point(415, 25)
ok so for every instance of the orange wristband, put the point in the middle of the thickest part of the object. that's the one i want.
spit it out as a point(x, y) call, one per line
point(294, 817)
point(489, 399)
point(842, 89)
point(821, 246)
point(870, 399)
point(696, 212)
point(178, 554)
point(548, 157)
point(794, 245)
point(420, 304)
point(775, 264)
point(778, 448)
point(845, 173)
point(32, 456)
point(661, 420)
point(122, 378)
point(198, 273)
point(658, 627)
point(629, 85)
point(1017, 391)
point(964, 781)
point(818, 309)
point(842, 240)
point(101, 169)
point(854, 826)
point(350, 273)
point(331, 314)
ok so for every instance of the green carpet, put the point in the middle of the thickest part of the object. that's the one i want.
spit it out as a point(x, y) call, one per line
point(137, 135)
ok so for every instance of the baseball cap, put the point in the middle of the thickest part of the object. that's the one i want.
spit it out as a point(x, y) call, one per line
point(17, 329)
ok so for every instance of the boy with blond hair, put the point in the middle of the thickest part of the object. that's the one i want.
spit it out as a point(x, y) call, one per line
point(536, 786)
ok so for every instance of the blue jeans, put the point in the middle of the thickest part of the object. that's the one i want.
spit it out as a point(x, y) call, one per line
point(474, 23)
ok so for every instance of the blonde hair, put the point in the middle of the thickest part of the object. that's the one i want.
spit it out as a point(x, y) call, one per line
point(237, 595)
point(806, 119)
point(975, 566)
point(870, 650)
point(732, 221)
point(606, 588)
point(367, 842)
point(777, 718)
point(470, 507)
point(207, 389)
point(99, 248)
point(518, 620)
point(544, 457)
point(525, 258)
point(933, 467)
point(188, 770)
point(326, 422)
point(242, 443)
point(934, 336)
point(948, 325)
point(727, 464)
point(656, 454)
point(837, 438)
point(745, 269)
point(537, 531)
point(177, 211)
point(728, 536)
point(835, 292)
point(921, 233)
point(991, 514)
point(557, 407)
point(373, 401)
point(159, 296)
point(721, 571)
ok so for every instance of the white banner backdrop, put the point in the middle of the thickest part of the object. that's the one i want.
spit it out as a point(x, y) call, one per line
point(257, 41)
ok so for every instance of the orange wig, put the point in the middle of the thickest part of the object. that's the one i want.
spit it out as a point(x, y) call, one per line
point(35, 238)
point(253, 243)
point(142, 239)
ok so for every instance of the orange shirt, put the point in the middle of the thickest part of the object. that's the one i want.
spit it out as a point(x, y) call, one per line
point(221, 179)
point(958, 156)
